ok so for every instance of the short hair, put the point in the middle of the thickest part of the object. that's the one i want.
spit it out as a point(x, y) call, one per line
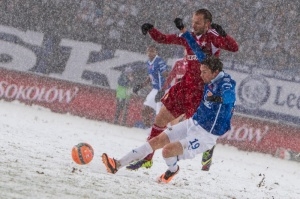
point(207, 15)
point(213, 63)
point(152, 46)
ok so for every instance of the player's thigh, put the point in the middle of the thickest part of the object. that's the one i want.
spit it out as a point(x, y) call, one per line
point(177, 120)
point(197, 141)
point(163, 117)
point(174, 100)
point(178, 131)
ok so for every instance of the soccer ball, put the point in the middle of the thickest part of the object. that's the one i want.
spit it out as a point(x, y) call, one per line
point(82, 153)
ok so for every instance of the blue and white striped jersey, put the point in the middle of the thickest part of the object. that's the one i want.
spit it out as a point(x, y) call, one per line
point(215, 117)
point(155, 70)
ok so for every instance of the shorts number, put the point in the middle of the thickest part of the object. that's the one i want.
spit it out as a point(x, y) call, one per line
point(194, 144)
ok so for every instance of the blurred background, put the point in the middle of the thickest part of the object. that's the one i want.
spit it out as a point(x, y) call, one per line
point(67, 55)
point(267, 30)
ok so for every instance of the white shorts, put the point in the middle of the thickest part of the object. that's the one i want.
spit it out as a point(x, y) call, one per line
point(150, 101)
point(193, 138)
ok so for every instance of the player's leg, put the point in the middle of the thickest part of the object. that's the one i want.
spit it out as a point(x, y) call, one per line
point(194, 140)
point(207, 159)
point(124, 115)
point(119, 106)
point(161, 120)
point(113, 165)
point(177, 120)
point(170, 154)
point(172, 150)
point(172, 107)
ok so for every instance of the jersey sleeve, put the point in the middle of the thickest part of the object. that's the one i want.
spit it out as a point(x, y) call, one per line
point(230, 44)
point(162, 66)
point(228, 92)
point(194, 45)
point(225, 43)
point(159, 37)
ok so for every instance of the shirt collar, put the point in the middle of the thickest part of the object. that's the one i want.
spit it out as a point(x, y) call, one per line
point(198, 37)
point(219, 76)
point(151, 62)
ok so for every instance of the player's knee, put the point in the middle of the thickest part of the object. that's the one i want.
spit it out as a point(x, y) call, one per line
point(172, 149)
point(155, 143)
point(158, 142)
point(166, 152)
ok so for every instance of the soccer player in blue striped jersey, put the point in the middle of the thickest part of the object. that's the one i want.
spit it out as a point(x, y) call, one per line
point(157, 73)
point(196, 134)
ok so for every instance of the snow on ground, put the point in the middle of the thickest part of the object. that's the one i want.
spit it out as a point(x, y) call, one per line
point(36, 162)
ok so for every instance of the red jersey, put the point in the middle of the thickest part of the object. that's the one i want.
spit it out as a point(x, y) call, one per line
point(176, 73)
point(185, 96)
point(210, 42)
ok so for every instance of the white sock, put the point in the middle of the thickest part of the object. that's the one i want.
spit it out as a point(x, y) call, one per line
point(136, 154)
point(172, 163)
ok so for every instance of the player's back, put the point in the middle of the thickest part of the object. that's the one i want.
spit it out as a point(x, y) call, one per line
point(155, 69)
point(192, 74)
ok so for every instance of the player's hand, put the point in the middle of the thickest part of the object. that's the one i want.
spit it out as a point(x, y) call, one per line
point(214, 98)
point(159, 95)
point(146, 27)
point(179, 23)
point(136, 88)
point(219, 29)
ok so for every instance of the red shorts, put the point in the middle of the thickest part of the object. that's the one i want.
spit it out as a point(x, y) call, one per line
point(185, 96)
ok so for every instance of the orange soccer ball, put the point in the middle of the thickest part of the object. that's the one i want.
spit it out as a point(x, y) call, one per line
point(82, 153)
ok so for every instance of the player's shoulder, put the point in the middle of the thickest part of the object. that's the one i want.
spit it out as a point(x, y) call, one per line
point(159, 61)
point(159, 58)
point(212, 32)
point(227, 79)
point(179, 60)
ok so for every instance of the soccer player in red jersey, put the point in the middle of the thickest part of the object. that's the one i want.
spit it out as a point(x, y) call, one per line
point(185, 96)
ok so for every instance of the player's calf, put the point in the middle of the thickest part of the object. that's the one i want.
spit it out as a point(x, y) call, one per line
point(207, 159)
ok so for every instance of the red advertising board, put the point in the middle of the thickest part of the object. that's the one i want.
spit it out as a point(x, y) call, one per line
point(64, 97)
point(261, 136)
point(99, 104)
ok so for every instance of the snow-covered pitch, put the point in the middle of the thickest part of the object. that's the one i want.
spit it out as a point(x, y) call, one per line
point(35, 162)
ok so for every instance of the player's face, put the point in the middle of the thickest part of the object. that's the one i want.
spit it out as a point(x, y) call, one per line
point(151, 52)
point(206, 74)
point(130, 76)
point(199, 24)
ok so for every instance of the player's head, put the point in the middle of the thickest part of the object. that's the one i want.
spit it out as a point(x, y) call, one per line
point(201, 21)
point(210, 68)
point(129, 73)
point(151, 51)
